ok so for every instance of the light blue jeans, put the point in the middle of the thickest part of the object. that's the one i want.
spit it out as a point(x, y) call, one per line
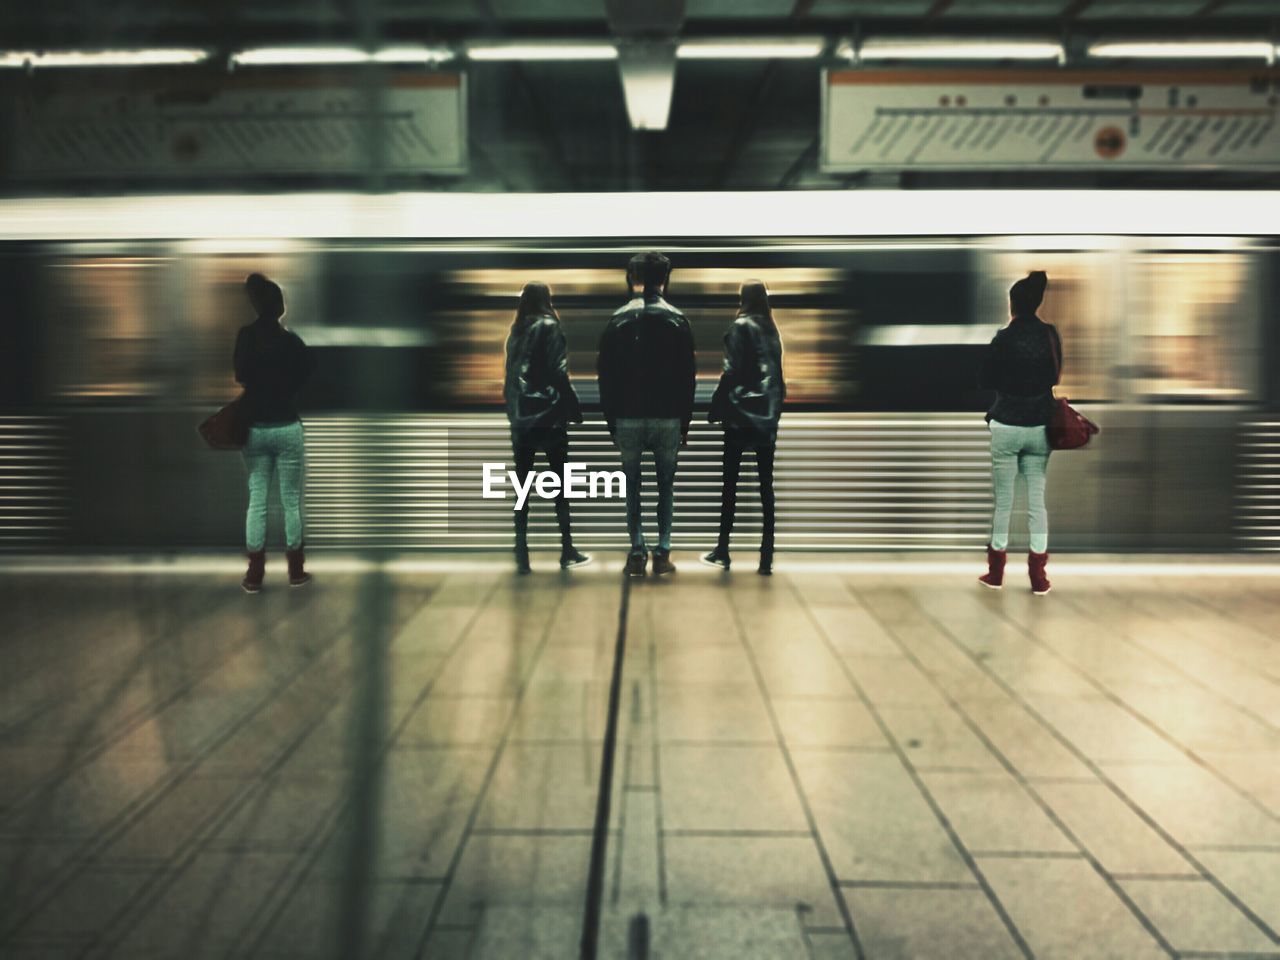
point(274, 448)
point(663, 438)
point(1019, 451)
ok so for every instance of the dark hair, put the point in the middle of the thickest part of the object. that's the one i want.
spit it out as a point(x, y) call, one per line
point(651, 269)
point(535, 301)
point(265, 295)
point(1026, 295)
point(753, 300)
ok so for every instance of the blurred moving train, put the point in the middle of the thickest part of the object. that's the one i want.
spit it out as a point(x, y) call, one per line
point(120, 314)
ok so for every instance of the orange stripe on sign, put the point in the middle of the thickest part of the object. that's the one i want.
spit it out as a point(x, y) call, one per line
point(1014, 76)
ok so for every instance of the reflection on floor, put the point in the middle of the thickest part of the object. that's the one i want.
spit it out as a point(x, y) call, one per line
point(821, 765)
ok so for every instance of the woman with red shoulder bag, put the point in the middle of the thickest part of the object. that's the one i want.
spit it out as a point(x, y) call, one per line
point(1022, 365)
point(273, 364)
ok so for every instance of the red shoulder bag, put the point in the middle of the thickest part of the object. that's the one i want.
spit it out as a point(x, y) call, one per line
point(228, 429)
point(1068, 429)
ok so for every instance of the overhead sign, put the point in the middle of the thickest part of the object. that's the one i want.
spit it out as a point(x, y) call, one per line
point(246, 125)
point(1066, 118)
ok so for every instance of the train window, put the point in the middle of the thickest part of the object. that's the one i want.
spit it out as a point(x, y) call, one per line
point(103, 329)
point(1081, 301)
point(1195, 327)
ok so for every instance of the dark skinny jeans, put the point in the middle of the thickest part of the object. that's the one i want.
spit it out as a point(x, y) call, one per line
point(555, 444)
point(734, 447)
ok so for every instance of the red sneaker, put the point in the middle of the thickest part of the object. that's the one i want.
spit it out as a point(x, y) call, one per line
point(252, 581)
point(1035, 568)
point(994, 577)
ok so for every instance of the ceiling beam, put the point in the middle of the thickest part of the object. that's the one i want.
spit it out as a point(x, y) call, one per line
point(542, 120)
point(797, 167)
point(748, 120)
point(652, 18)
point(1075, 8)
point(25, 30)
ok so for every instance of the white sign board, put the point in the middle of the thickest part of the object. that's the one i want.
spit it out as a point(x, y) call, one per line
point(244, 125)
point(1067, 118)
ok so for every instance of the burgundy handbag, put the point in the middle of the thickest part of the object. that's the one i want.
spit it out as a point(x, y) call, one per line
point(1068, 429)
point(228, 429)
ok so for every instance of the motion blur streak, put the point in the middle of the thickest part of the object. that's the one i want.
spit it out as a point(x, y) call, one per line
point(122, 345)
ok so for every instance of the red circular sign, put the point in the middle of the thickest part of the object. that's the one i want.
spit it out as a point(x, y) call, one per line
point(1109, 142)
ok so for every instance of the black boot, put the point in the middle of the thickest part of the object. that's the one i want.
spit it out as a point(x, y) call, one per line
point(298, 576)
point(719, 557)
point(766, 541)
point(522, 542)
point(570, 558)
point(252, 581)
point(766, 561)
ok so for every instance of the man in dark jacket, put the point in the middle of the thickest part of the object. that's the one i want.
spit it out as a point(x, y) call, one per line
point(647, 374)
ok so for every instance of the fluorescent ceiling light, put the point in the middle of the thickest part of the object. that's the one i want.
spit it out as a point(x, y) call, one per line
point(530, 50)
point(886, 48)
point(1185, 49)
point(275, 56)
point(283, 56)
point(785, 48)
point(648, 73)
point(412, 53)
point(158, 56)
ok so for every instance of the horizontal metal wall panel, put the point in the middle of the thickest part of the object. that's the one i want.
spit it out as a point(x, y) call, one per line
point(1258, 485)
point(843, 481)
point(32, 482)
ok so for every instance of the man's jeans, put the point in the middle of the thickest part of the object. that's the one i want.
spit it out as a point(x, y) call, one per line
point(662, 438)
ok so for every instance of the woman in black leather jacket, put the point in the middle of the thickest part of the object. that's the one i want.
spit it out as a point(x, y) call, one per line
point(748, 401)
point(541, 403)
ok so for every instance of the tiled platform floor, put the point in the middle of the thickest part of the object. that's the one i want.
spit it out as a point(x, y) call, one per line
point(823, 765)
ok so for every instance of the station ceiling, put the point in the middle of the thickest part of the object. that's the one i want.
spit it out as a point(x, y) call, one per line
point(734, 124)
point(120, 17)
point(132, 19)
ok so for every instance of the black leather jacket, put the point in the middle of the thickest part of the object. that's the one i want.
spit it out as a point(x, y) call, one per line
point(646, 365)
point(537, 390)
point(1022, 365)
point(748, 399)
